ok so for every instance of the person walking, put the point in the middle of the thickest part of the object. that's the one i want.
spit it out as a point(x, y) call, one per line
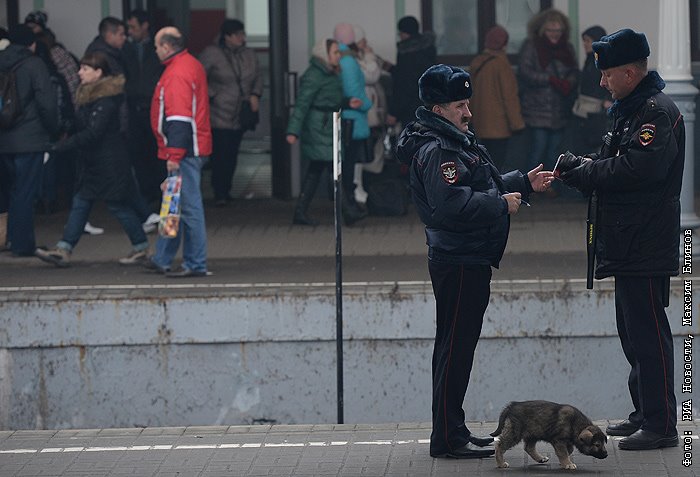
point(496, 108)
point(234, 78)
point(104, 166)
point(23, 144)
point(143, 69)
point(180, 122)
point(635, 183)
point(465, 204)
point(320, 94)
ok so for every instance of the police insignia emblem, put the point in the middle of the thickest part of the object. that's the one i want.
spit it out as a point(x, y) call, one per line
point(646, 134)
point(449, 172)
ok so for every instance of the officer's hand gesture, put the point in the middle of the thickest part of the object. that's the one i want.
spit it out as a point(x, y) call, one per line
point(513, 200)
point(540, 180)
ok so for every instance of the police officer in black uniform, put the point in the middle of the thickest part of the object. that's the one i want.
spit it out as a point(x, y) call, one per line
point(636, 182)
point(465, 204)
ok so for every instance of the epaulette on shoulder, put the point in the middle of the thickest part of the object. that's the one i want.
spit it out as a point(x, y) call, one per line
point(651, 102)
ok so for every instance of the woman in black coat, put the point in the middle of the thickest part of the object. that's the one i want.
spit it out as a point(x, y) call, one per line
point(104, 170)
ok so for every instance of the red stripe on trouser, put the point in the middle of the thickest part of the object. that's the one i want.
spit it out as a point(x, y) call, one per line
point(661, 348)
point(449, 355)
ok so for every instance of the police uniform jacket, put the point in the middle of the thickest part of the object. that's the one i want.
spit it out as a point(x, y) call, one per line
point(637, 177)
point(458, 191)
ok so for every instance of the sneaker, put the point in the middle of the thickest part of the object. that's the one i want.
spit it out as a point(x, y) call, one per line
point(92, 230)
point(57, 256)
point(134, 258)
point(151, 223)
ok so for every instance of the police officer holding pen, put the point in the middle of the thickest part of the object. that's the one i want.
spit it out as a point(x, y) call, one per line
point(636, 181)
point(464, 202)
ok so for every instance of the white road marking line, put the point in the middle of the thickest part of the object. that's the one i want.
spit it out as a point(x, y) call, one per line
point(250, 445)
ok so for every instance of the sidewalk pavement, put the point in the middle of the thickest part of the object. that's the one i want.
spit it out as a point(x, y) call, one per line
point(303, 450)
point(254, 241)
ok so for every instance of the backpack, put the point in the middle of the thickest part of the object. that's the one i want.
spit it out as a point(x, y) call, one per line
point(10, 107)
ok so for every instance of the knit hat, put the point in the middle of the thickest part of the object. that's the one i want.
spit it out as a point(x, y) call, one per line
point(21, 35)
point(344, 33)
point(359, 33)
point(595, 32)
point(620, 48)
point(408, 25)
point(496, 38)
point(38, 17)
point(442, 84)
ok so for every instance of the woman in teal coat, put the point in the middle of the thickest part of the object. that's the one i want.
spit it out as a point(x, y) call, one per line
point(320, 93)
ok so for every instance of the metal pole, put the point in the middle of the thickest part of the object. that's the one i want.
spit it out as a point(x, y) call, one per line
point(338, 262)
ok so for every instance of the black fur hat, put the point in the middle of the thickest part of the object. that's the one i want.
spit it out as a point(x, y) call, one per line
point(442, 84)
point(620, 48)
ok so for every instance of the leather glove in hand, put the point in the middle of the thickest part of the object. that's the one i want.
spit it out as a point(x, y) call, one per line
point(567, 162)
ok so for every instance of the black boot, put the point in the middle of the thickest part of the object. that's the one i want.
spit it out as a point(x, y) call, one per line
point(308, 189)
point(351, 211)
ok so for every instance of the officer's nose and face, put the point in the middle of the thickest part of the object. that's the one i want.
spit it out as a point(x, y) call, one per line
point(617, 80)
point(456, 112)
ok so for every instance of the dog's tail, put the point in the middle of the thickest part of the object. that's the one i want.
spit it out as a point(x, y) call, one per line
point(501, 422)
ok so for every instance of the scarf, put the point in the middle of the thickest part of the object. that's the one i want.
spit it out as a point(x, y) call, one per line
point(547, 52)
point(650, 85)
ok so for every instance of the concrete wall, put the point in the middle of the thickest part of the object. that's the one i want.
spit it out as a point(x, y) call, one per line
point(268, 355)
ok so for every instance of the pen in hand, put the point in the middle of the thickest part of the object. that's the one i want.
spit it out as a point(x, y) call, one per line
point(521, 200)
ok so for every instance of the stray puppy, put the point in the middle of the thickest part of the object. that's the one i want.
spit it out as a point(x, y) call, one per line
point(563, 426)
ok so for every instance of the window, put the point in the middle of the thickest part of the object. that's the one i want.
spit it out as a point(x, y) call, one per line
point(460, 25)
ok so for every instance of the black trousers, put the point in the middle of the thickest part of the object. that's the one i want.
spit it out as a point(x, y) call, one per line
point(224, 158)
point(461, 295)
point(150, 171)
point(648, 346)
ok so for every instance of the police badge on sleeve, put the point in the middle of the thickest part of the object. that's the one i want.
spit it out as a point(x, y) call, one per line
point(646, 134)
point(449, 172)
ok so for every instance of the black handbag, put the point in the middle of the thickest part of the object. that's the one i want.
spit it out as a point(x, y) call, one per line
point(247, 118)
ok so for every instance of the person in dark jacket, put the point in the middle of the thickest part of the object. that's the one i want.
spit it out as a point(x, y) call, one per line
point(56, 166)
point(104, 170)
point(635, 180)
point(320, 93)
point(465, 204)
point(22, 146)
point(110, 41)
point(548, 77)
point(143, 69)
point(590, 119)
point(415, 53)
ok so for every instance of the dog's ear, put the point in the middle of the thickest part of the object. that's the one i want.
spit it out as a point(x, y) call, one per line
point(586, 436)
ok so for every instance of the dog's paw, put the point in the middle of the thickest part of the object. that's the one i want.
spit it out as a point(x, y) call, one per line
point(543, 460)
point(504, 465)
point(570, 466)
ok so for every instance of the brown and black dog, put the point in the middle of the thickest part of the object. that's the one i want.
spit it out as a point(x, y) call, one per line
point(563, 426)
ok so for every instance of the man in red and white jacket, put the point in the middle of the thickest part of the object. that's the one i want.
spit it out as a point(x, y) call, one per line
point(180, 122)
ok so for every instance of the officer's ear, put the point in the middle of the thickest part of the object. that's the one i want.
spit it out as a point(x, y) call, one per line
point(436, 109)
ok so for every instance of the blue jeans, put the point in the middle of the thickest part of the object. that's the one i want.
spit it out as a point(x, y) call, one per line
point(192, 227)
point(25, 179)
point(545, 147)
point(80, 212)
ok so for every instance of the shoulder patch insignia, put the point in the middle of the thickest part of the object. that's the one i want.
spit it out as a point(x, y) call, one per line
point(449, 172)
point(646, 134)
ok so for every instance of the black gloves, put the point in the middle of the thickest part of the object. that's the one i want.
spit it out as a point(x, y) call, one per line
point(566, 169)
point(566, 162)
